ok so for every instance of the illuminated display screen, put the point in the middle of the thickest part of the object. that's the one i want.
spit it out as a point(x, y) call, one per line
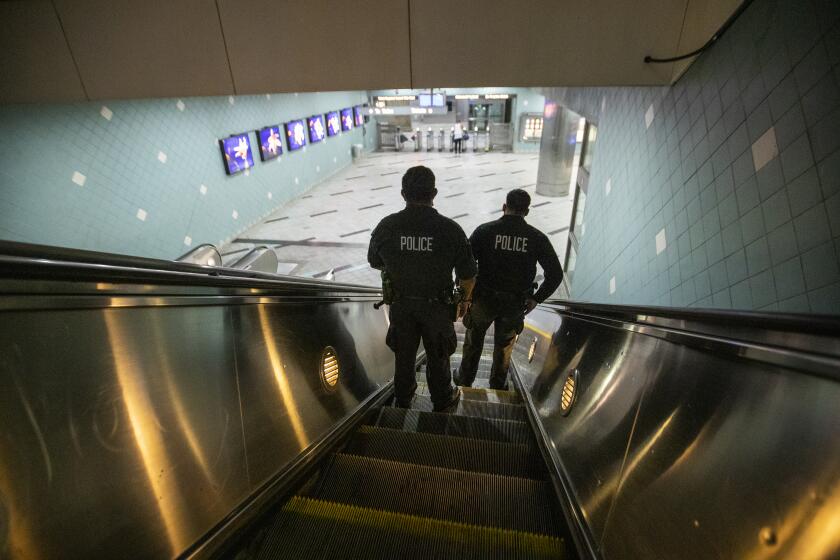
point(333, 123)
point(295, 135)
point(271, 145)
point(347, 119)
point(316, 129)
point(360, 115)
point(236, 153)
point(432, 100)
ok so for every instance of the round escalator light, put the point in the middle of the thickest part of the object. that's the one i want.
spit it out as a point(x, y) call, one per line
point(532, 350)
point(329, 368)
point(567, 399)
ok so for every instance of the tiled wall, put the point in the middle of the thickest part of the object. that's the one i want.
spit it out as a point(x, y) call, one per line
point(736, 169)
point(145, 177)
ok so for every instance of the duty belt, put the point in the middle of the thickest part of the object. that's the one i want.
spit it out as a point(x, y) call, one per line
point(421, 298)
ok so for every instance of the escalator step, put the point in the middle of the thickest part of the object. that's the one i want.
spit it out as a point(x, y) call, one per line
point(466, 407)
point(509, 431)
point(479, 394)
point(482, 373)
point(450, 452)
point(466, 497)
point(307, 528)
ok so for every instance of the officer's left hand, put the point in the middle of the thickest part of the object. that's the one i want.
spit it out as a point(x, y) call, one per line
point(463, 307)
point(530, 304)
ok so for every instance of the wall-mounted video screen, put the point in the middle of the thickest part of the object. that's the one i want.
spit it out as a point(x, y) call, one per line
point(432, 100)
point(271, 144)
point(236, 153)
point(317, 132)
point(359, 112)
point(333, 123)
point(347, 119)
point(295, 135)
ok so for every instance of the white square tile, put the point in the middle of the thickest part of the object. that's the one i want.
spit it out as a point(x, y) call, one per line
point(612, 285)
point(161, 157)
point(79, 178)
point(181, 106)
point(188, 241)
point(765, 149)
point(106, 113)
point(141, 214)
point(649, 116)
point(202, 189)
point(270, 196)
point(235, 215)
point(661, 242)
point(608, 186)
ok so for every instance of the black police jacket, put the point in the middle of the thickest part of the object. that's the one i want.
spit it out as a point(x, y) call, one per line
point(419, 248)
point(508, 250)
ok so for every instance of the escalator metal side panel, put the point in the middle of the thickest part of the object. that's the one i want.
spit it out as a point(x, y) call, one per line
point(681, 448)
point(142, 426)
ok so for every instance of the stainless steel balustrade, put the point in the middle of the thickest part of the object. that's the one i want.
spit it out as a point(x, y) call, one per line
point(692, 434)
point(146, 406)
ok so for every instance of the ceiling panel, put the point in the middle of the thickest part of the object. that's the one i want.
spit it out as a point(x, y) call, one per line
point(36, 62)
point(317, 45)
point(153, 48)
point(702, 19)
point(543, 42)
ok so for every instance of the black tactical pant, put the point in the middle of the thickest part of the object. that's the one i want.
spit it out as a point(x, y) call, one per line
point(411, 321)
point(506, 313)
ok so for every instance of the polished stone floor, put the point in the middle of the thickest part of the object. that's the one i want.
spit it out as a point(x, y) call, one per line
point(325, 233)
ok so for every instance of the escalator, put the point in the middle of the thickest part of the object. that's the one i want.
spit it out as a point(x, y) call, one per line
point(412, 483)
point(179, 410)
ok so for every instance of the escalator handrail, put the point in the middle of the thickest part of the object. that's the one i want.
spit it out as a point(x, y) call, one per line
point(185, 256)
point(807, 343)
point(818, 324)
point(23, 261)
point(252, 255)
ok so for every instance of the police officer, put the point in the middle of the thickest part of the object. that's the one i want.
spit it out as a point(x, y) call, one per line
point(419, 248)
point(507, 251)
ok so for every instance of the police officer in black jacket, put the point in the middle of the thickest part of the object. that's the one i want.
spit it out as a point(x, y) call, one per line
point(419, 248)
point(507, 251)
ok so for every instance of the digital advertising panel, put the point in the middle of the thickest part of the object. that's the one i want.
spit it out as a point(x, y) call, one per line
point(236, 153)
point(295, 135)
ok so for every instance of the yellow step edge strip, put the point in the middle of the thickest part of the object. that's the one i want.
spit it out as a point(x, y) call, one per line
point(539, 546)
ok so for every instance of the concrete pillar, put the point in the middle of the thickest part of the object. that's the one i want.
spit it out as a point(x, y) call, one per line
point(557, 150)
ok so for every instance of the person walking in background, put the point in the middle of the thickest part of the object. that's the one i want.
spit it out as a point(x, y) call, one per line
point(458, 138)
point(418, 249)
point(507, 251)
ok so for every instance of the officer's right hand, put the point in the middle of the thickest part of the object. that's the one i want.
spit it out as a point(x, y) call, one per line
point(463, 307)
point(530, 304)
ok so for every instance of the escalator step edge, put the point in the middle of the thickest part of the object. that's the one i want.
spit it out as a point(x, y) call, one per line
point(481, 394)
point(446, 451)
point(467, 407)
point(492, 429)
point(483, 499)
point(308, 528)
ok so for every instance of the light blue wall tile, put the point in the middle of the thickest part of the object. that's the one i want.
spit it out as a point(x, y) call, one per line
point(40, 203)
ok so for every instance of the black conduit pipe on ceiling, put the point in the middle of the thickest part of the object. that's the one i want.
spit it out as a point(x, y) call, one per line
point(717, 35)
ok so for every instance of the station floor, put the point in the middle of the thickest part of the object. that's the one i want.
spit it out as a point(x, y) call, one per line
point(325, 232)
